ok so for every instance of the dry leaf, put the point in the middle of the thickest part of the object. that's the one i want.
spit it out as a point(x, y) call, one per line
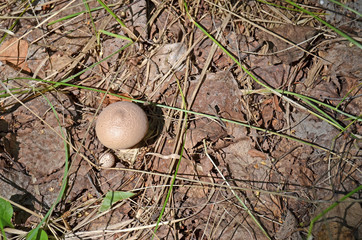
point(267, 114)
point(255, 153)
point(296, 34)
point(14, 51)
point(109, 99)
point(277, 104)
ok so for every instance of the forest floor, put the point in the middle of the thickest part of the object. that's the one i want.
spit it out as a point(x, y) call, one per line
point(253, 109)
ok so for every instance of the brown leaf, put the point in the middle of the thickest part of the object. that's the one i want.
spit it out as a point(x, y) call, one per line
point(277, 104)
point(295, 34)
point(267, 101)
point(14, 51)
point(109, 99)
point(267, 114)
point(255, 153)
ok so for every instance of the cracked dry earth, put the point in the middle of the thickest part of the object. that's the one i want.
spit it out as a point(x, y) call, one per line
point(284, 183)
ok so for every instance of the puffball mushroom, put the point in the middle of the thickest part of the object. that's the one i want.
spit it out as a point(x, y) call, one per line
point(121, 125)
point(107, 160)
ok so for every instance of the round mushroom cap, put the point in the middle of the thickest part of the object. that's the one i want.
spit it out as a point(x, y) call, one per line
point(107, 160)
point(121, 125)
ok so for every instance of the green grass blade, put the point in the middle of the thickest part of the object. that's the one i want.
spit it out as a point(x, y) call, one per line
point(325, 116)
point(303, 97)
point(65, 175)
point(124, 27)
point(66, 168)
point(282, 7)
point(15, 22)
point(94, 64)
point(346, 7)
point(178, 163)
point(90, 15)
point(325, 211)
point(114, 35)
point(73, 15)
point(111, 13)
point(352, 40)
point(236, 195)
point(349, 92)
point(169, 189)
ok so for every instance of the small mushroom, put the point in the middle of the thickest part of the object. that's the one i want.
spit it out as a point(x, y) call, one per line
point(121, 125)
point(107, 160)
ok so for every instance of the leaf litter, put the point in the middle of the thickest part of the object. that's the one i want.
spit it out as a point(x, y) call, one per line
point(249, 159)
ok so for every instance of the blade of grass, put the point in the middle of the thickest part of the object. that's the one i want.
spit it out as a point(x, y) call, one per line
point(114, 35)
point(169, 190)
point(330, 120)
point(66, 166)
point(79, 13)
point(326, 117)
point(352, 40)
point(90, 15)
point(325, 211)
point(111, 13)
point(82, 12)
point(234, 193)
point(65, 175)
point(282, 7)
point(320, 103)
point(96, 64)
point(124, 27)
point(41, 23)
point(349, 92)
point(73, 15)
point(16, 21)
point(112, 197)
point(346, 7)
point(309, 101)
point(178, 163)
point(7, 32)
